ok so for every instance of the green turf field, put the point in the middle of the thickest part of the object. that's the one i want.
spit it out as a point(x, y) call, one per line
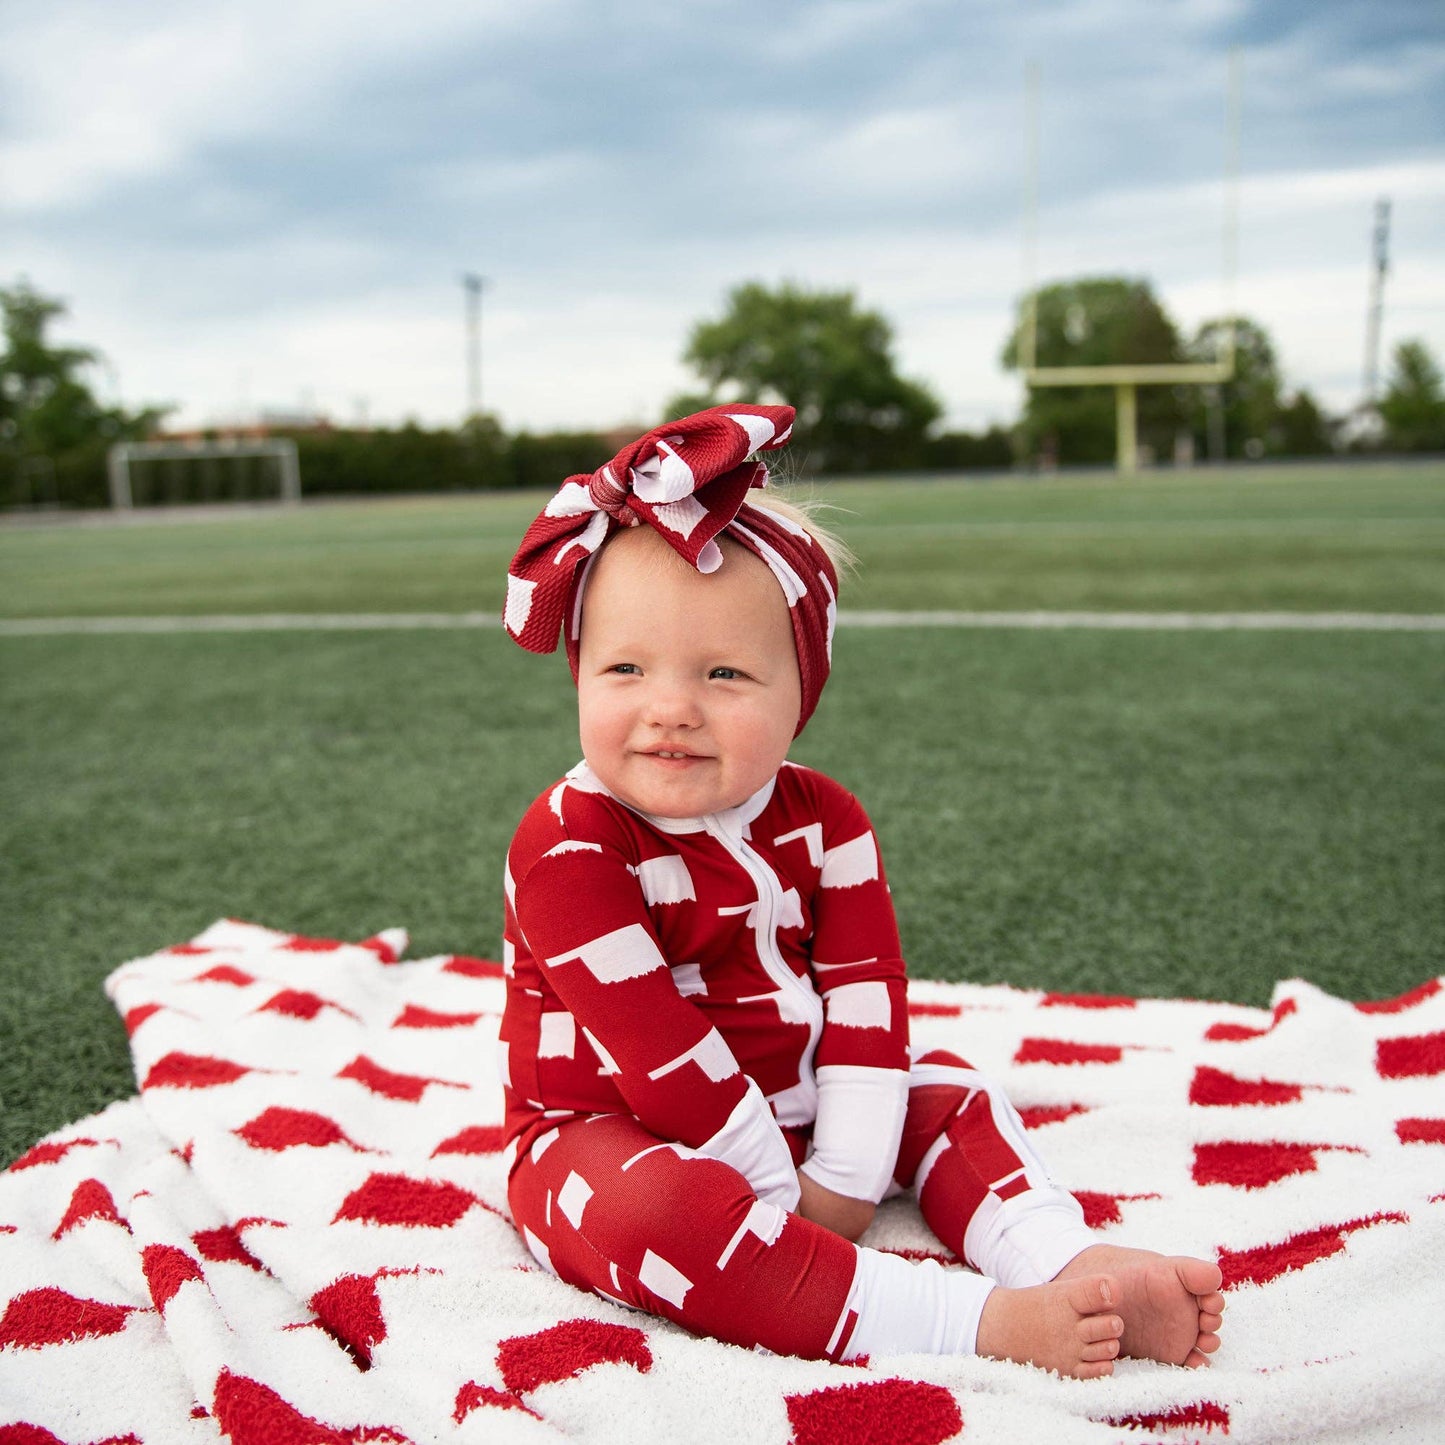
point(1162, 812)
point(1369, 537)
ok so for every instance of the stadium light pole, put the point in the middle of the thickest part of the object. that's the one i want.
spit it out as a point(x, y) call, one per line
point(473, 284)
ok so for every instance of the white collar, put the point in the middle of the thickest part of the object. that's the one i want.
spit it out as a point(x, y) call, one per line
point(732, 821)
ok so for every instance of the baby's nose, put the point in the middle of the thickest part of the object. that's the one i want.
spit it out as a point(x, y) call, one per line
point(674, 705)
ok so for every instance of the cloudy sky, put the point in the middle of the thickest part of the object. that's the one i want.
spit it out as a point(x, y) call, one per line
point(251, 204)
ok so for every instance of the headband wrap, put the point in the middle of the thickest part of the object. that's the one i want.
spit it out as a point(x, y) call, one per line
point(689, 481)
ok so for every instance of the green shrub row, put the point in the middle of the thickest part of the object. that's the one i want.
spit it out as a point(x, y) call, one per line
point(403, 459)
point(332, 463)
point(410, 459)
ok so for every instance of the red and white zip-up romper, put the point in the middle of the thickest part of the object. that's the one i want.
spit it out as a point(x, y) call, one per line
point(698, 1006)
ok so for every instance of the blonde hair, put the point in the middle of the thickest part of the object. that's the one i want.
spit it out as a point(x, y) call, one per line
point(799, 511)
point(803, 512)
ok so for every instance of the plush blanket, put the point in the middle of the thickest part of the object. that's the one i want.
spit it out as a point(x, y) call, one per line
point(298, 1231)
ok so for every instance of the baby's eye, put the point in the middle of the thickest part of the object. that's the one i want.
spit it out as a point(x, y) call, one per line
point(626, 669)
point(726, 674)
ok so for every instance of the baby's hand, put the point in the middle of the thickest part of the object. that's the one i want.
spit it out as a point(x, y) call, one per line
point(838, 1212)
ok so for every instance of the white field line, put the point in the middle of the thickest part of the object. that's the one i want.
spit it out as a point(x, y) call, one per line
point(433, 621)
point(1107, 529)
point(1162, 621)
point(259, 622)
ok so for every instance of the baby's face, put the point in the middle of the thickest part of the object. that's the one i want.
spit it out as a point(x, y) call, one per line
point(687, 686)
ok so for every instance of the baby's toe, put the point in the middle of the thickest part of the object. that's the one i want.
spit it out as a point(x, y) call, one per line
point(1088, 1294)
point(1198, 1276)
point(1093, 1328)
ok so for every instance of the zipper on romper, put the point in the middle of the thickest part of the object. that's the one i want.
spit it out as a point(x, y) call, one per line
point(809, 1007)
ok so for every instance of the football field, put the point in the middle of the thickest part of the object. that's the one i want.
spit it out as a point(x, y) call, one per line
point(1166, 809)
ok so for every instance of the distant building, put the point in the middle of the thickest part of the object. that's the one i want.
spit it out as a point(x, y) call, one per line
point(1360, 429)
point(264, 424)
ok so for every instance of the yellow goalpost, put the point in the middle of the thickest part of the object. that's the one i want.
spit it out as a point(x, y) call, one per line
point(1126, 378)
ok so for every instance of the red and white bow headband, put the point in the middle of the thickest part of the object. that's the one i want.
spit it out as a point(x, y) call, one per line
point(688, 480)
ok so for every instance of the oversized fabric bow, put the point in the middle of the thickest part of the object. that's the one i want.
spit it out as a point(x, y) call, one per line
point(689, 480)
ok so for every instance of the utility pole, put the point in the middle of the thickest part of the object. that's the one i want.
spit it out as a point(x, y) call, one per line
point(473, 284)
point(1380, 263)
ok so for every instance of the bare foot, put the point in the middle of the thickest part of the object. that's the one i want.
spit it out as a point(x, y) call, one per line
point(1068, 1326)
point(1171, 1304)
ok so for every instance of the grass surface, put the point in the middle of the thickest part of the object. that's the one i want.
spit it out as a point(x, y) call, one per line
point(1166, 813)
point(1370, 538)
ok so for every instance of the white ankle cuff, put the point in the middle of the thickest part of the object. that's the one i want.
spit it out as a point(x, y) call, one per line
point(1028, 1240)
point(908, 1309)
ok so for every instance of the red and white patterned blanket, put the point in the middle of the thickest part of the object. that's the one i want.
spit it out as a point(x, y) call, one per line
point(298, 1231)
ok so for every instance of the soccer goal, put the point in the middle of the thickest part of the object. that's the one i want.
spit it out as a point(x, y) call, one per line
point(175, 473)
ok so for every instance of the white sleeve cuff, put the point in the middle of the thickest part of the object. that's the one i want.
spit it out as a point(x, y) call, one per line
point(858, 1130)
point(754, 1145)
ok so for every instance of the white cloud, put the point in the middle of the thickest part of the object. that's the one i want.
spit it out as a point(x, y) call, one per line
point(112, 91)
point(259, 204)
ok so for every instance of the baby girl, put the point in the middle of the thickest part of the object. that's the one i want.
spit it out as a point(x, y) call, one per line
point(708, 1075)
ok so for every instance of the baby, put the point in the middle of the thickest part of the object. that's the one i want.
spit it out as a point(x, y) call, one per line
point(705, 1049)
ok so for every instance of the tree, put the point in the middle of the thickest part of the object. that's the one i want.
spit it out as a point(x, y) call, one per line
point(961, 451)
point(818, 352)
point(1249, 403)
point(50, 421)
point(43, 406)
point(1304, 430)
point(1094, 321)
point(1413, 407)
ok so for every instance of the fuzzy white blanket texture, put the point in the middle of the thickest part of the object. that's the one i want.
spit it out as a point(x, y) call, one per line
point(297, 1232)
